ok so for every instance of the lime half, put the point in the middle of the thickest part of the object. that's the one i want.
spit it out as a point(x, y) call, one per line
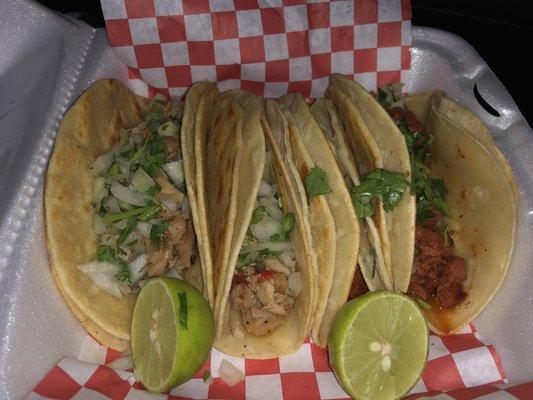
point(378, 345)
point(171, 333)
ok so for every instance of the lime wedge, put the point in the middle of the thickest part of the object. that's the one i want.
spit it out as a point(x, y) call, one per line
point(378, 345)
point(171, 333)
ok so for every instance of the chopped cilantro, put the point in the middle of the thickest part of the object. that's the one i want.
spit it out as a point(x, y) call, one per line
point(257, 215)
point(158, 230)
point(384, 185)
point(124, 233)
point(206, 376)
point(374, 262)
point(316, 182)
point(109, 255)
point(287, 225)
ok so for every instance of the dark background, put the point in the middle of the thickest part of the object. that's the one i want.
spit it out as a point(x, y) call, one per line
point(500, 31)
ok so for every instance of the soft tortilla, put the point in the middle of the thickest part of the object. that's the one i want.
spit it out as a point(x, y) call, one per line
point(372, 126)
point(288, 337)
point(483, 208)
point(337, 260)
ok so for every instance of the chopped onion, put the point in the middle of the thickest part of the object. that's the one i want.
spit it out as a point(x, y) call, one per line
point(102, 163)
point(108, 240)
point(141, 180)
point(174, 171)
point(168, 201)
point(273, 246)
point(172, 273)
point(168, 129)
point(265, 228)
point(272, 207)
point(98, 225)
point(129, 196)
point(229, 373)
point(99, 189)
point(103, 275)
point(111, 204)
point(266, 190)
point(122, 364)
point(287, 258)
point(144, 228)
point(276, 265)
point(137, 267)
point(295, 283)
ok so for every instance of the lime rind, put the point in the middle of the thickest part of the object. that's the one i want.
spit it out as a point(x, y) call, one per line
point(378, 317)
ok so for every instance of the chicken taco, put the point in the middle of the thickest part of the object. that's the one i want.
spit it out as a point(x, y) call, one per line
point(464, 188)
point(268, 290)
point(117, 206)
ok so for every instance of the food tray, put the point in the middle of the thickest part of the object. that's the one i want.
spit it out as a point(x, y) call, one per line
point(48, 60)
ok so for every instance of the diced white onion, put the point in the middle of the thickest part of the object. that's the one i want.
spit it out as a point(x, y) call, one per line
point(102, 163)
point(295, 283)
point(144, 228)
point(168, 129)
point(272, 207)
point(122, 363)
point(273, 246)
point(111, 205)
point(287, 258)
point(277, 266)
point(103, 275)
point(108, 240)
point(266, 190)
point(137, 267)
point(168, 201)
point(174, 171)
point(172, 273)
point(265, 228)
point(99, 189)
point(98, 225)
point(229, 373)
point(141, 180)
point(129, 196)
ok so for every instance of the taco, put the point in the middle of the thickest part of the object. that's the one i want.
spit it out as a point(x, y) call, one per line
point(464, 189)
point(268, 296)
point(381, 157)
point(117, 206)
point(333, 223)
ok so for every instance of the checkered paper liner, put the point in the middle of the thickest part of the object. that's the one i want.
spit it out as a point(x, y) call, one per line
point(269, 47)
point(462, 366)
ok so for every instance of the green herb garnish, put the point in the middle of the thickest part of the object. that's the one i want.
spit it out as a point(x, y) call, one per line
point(112, 217)
point(374, 262)
point(109, 255)
point(423, 305)
point(316, 182)
point(183, 309)
point(206, 376)
point(287, 225)
point(257, 215)
point(124, 233)
point(158, 230)
point(381, 184)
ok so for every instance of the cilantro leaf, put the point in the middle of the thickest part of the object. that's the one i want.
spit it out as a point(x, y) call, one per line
point(124, 233)
point(287, 225)
point(381, 184)
point(316, 182)
point(257, 215)
point(108, 254)
point(158, 230)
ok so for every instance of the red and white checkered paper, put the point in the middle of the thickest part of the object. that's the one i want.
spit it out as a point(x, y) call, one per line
point(462, 366)
point(269, 47)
